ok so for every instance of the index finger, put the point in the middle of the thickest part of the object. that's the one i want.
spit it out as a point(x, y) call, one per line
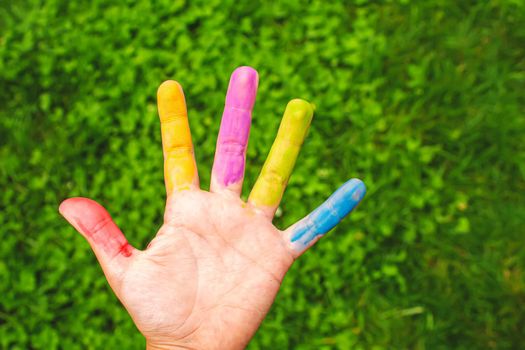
point(180, 169)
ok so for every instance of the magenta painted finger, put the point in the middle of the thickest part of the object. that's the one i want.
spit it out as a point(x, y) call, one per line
point(230, 155)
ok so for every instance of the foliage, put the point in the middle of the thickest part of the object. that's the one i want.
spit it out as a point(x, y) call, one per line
point(423, 100)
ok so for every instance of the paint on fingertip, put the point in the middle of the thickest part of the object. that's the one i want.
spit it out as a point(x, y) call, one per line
point(242, 88)
point(329, 214)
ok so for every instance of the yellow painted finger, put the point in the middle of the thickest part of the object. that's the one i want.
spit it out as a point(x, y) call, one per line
point(269, 188)
point(180, 169)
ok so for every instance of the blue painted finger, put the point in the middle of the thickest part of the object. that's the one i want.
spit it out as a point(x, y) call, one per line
point(328, 214)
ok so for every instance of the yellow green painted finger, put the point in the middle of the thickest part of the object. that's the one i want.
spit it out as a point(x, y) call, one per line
point(180, 169)
point(269, 188)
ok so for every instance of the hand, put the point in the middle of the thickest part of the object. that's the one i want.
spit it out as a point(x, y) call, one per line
point(208, 278)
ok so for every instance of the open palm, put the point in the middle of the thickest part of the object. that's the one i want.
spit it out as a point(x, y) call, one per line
point(210, 275)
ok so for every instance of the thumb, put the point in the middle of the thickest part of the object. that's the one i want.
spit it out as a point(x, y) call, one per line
point(107, 241)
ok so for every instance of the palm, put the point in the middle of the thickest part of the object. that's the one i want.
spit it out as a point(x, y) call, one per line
point(215, 263)
point(210, 275)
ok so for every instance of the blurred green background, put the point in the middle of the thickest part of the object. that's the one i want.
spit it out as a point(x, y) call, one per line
point(423, 100)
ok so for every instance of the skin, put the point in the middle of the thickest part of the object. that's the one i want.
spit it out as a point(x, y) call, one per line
point(210, 275)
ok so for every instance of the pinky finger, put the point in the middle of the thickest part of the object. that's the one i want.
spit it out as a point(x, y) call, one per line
point(303, 234)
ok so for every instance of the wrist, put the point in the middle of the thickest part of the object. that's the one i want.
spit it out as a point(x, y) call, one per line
point(169, 344)
point(152, 346)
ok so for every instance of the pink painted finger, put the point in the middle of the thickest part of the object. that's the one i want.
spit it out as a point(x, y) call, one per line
point(107, 241)
point(230, 154)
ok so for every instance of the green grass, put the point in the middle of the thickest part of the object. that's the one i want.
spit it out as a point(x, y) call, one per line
point(423, 100)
